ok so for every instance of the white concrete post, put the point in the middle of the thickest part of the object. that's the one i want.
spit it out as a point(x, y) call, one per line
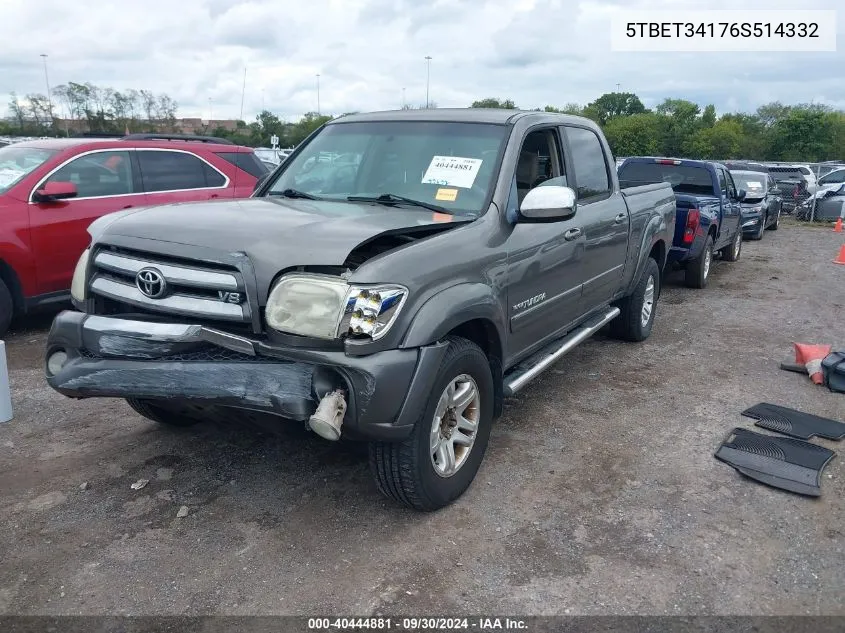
point(5, 390)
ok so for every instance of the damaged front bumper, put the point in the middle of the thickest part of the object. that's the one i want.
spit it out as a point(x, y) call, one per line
point(95, 356)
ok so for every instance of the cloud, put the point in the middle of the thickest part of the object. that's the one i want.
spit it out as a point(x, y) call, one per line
point(535, 52)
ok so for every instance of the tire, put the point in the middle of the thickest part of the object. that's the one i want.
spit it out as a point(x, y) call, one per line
point(7, 308)
point(776, 225)
point(149, 410)
point(732, 251)
point(697, 272)
point(406, 471)
point(759, 234)
point(632, 324)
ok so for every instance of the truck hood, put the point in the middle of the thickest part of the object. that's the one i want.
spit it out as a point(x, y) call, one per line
point(275, 233)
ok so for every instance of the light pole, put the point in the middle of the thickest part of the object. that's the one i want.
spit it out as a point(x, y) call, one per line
point(47, 81)
point(617, 87)
point(318, 94)
point(427, 77)
point(262, 99)
point(243, 92)
point(403, 98)
point(210, 112)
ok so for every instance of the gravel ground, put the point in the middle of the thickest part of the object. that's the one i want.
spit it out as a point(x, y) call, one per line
point(599, 493)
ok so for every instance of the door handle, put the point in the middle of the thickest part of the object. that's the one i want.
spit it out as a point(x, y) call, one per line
point(572, 234)
point(214, 195)
point(128, 206)
point(619, 218)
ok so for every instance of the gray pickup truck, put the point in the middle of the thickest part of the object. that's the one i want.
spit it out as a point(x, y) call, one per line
point(396, 278)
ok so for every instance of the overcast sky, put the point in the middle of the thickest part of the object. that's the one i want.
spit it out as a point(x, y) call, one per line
point(535, 52)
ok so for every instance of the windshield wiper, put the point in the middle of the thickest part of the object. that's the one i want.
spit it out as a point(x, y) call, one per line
point(294, 193)
point(392, 198)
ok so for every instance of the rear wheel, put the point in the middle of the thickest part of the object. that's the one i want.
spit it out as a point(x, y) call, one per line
point(438, 462)
point(636, 319)
point(7, 307)
point(151, 411)
point(731, 252)
point(698, 270)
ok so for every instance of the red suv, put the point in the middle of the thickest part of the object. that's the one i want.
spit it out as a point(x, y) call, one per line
point(51, 190)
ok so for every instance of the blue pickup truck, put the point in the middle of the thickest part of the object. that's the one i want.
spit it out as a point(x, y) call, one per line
point(709, 214)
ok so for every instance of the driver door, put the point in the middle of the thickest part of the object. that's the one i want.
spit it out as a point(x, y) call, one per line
point(105, 182)
point(545, 267)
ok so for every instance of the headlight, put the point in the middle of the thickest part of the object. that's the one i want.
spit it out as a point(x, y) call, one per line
point(326, 307)
point(77, 284)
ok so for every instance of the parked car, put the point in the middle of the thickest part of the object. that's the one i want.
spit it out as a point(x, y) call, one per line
point(709, 218)
point(835, 177)
point(51, 190)
point(793, 192)
point(784, 172)
point(762, 203)
point(827, 204)
point(397, 299)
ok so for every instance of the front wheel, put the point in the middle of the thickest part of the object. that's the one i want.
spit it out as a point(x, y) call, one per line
point(774, 227)
point(636, 319)
point(759, 234)
point(731, 252)
point(438, 462)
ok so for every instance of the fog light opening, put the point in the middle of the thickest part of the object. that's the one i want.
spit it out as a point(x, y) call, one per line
point(56, 361)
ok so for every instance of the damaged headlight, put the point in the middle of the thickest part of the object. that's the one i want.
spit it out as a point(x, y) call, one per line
point(326, 307)
point(77, 284)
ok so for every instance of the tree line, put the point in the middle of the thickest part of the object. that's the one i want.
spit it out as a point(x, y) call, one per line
point(675, 127)
point(102, 110)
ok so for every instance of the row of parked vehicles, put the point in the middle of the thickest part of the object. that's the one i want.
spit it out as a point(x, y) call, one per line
point(392, 281)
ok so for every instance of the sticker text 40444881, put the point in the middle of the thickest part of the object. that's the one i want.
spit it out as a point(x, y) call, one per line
point(452, 171)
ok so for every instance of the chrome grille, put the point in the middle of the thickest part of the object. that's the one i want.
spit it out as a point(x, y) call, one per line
point(192, 290)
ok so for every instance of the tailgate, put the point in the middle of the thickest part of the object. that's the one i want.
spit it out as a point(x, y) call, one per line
point(683, 203)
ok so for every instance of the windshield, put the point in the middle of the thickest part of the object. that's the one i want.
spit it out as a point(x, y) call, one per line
point(753, 183)
point(683, 178)
point(16, 162)
point(447, 164)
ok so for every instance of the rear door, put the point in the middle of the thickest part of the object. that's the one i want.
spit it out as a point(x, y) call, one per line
point(774, 200)
point(106, 182)
point(171, 175)
point(602, 216)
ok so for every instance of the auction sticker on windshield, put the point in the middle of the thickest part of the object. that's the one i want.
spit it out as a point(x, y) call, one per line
point(452, 171)
point(448, 195)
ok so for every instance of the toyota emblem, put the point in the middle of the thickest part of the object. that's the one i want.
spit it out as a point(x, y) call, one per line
point(151, 283)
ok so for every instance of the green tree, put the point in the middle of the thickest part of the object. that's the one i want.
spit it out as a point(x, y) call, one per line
point(492, 102)
point(635, 135)
point(806, 133)
point(720, 142)
point(614, 104)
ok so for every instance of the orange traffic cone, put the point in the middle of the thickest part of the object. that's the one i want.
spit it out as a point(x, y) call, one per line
point(837, 228)
point(841, 258)
point(811, 357)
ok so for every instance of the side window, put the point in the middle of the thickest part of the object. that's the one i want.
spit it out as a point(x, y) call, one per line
point(588, 162)
point(723, 184)
point(833, 178)
point(731, 186)
point(539, 162)
point(164, 170)
point(99, 174)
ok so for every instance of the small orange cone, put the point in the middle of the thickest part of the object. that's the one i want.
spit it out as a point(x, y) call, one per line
point(837, 228)
point(841, 258)
point(811, 357)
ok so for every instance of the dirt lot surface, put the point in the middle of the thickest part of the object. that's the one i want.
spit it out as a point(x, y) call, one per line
point(599, 492)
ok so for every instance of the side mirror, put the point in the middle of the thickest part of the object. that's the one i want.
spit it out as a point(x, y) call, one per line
point(775, 191)
point(551, 203)
point(740, 194)
point(56, 191)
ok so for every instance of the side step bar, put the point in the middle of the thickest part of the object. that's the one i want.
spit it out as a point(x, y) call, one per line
point(528, 369)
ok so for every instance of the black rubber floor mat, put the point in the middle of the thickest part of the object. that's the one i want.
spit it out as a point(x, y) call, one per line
point(781, 462)
point(794, 423)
